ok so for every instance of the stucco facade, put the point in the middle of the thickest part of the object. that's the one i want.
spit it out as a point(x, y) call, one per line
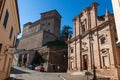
point(9, 29)
point(94, 44)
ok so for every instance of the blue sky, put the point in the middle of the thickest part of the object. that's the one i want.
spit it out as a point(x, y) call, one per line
point(29, 10)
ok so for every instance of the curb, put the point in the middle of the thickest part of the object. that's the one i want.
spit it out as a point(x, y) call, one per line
point(13, 75)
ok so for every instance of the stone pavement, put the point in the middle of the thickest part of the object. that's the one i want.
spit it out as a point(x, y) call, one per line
point(26, 74)
point(73, 77)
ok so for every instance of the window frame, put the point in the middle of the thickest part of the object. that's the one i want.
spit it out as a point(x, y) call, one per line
point(11, 33)
point(103, 40)
point(71, 50)
point(6, 17)
point(0, 47)
point(83, 28)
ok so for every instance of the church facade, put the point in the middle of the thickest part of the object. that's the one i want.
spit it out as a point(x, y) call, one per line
point(93, 44)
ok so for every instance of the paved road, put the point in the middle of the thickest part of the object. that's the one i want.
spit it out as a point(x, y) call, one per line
point(26, 74)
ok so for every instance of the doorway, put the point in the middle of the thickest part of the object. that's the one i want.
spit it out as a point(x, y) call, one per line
point(85, 62)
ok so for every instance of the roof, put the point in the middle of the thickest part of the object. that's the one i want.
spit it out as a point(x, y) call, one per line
point(32, 23)
point(52, 11)
point(28, 23)
point(35, 23)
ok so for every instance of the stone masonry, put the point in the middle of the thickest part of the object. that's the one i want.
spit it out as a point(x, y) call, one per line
point(44, 30)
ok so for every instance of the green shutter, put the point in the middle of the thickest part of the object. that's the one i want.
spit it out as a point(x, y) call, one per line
point(6, 18)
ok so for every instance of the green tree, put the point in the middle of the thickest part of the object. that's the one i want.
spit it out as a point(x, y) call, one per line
point(66, 32)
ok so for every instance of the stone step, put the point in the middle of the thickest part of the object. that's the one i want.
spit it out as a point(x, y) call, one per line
point(79, 73)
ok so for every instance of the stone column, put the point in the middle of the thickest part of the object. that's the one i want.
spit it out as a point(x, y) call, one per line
point(22, 59)
point(75, 48)
point(28, 59)
point(69, 57)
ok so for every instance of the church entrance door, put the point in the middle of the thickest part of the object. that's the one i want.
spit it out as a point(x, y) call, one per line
point(85, 62)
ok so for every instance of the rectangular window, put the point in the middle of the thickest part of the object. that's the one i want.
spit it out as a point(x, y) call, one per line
point(14, 41)
point(49, 23)
point(103, 40)
point(0, 47)
point(83, 28)
point(11, 31)
point(105, 62)
point(71, 50)
point(6, 18)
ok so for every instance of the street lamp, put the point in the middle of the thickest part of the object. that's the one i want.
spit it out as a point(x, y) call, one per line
point(92, 51)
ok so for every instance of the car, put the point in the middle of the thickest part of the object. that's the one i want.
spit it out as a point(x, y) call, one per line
point(30, 66)
point(39, 68)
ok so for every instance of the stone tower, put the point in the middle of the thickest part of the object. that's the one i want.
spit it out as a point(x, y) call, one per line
point(51, 21)
point(46, 29)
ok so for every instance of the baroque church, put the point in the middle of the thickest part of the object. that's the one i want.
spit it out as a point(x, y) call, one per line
point(93, 44)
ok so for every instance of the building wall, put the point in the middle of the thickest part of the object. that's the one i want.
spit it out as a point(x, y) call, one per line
point(47, 37)
point(94, 43)
point(27, 30)
point(31, 41)
point(116, 9)
point(12, 22)
point(40, 32)
point(35, 40)
point(5, 40)
point(50, 21)
point(56, 60)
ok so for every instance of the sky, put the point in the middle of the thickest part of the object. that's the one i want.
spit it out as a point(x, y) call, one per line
point(29, 10)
